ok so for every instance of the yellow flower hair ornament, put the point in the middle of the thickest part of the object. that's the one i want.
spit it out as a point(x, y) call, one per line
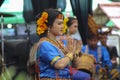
point(65, 25)
point(41, 23)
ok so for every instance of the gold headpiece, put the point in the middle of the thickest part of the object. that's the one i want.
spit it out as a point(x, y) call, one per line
point(60, 16)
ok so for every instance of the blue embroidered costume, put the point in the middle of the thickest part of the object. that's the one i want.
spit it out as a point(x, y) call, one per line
point(49, 55)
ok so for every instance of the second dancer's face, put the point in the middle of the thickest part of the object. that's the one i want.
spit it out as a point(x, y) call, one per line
point(73, 28)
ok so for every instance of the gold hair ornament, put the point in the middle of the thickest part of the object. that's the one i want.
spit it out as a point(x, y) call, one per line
point(65, 25)
point(41, 23)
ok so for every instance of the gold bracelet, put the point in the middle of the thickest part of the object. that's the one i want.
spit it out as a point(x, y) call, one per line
point(77, 51)
point(70, 56)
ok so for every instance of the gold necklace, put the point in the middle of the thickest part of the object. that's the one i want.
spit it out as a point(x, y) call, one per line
point(57, 43)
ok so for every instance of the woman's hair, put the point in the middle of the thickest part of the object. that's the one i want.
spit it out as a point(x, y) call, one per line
point(71, 20)
point(51, 15)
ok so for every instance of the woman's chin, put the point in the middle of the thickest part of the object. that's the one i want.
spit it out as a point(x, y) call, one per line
point(60, 34)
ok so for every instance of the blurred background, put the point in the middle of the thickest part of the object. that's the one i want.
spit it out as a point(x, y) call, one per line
point(18, 28)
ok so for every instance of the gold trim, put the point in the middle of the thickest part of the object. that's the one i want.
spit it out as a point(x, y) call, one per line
point(56, 43)
point(55, 59)
point(70, 56)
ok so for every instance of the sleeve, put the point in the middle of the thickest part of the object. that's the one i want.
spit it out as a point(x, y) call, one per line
point(64, 42)
point(49, 53)
point(83, 49)
point(106, 57)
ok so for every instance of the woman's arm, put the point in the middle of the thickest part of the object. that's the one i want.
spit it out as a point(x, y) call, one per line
point(63, 62)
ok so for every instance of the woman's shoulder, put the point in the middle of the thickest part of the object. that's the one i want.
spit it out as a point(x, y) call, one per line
point(45, 43)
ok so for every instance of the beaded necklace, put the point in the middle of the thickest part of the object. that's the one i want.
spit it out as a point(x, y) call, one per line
point(57, 43)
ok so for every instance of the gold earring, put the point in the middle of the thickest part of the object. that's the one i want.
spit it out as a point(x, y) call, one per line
point(68, 30)
point(48, 31)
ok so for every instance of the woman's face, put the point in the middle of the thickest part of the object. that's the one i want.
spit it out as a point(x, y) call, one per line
point(57, 28)
point(73, 28)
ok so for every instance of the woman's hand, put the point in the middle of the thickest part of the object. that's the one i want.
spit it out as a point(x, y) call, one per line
point(71, 45)
point(78, 46)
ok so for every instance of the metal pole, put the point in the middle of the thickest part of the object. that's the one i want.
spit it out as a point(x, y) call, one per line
point(2, 38)
point(2, 47)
